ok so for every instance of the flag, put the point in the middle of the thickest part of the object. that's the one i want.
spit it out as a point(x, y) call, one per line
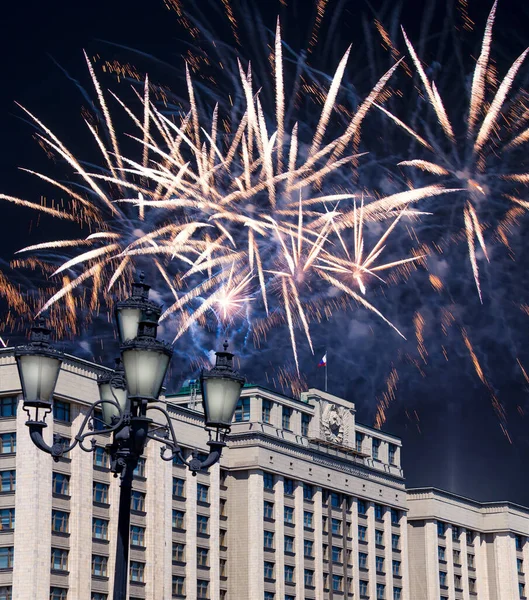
point(323, 361)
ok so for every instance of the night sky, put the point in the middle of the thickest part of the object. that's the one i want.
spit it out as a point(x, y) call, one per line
point(451, 434)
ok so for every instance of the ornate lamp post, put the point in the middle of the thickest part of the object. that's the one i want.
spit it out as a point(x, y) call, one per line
point(127, 395)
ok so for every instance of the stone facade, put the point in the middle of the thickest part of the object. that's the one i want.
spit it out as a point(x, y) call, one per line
point(306, 503)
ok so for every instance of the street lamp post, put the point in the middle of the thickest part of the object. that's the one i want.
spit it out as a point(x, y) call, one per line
point(127, 395)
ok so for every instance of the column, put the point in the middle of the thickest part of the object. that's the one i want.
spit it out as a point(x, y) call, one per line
point(356, 570)
point(214, 531)
point(371, 561)
point(388, 553)
point(432, 560)
point(450, 562)
point(505, 558)
point(256, 541)
point(464, 565)
point(482, 570)
point(299, 541)
point(256, 409)
point(113, 498)
point(279, 516)
point(318, 542)
point(406, 592)
point(158, 533)
point(81, 478)
point(191, 536)
point(32, 558)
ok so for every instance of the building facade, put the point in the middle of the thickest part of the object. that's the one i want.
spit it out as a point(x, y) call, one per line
point(306, 503)
point(462, 549)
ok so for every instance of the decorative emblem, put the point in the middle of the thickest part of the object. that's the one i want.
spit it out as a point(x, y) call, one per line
point(332, 423)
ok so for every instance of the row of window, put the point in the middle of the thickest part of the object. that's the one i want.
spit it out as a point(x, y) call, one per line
point(242, 413)
point(456, 556)
point(9, 404)
point(362, 535)
point(179, 490)
point(202, 522)
point(443, 581)
point(337, 556)
point(456, 532)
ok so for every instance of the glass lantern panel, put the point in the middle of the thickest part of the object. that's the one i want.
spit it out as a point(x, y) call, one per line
point(39, 375)
point(145, 371)
point(128, 322)
point(220, 399)
point(105, 393)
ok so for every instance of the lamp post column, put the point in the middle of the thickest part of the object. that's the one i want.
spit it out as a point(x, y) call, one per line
point(121, 576)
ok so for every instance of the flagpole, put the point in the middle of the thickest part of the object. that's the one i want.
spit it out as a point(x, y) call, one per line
point(326, 363)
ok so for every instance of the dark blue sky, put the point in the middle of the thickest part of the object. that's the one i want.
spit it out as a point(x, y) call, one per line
point(455, 441)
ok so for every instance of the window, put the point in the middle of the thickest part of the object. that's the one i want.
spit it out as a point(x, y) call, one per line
point(289, 514)
point(178, 519)
point(442, 578)
point(381, 591)
point(6, 557)
point(289, 597)
point(8, 406)
point(100, 529)
point(268, 510)
point(268, 539)
point(286, 414)
point(139, 471)
point(470, 537)
point(457, 557)
point(308, 491)
point(268, 481)
point(336, 526)
point(308, 548)
point(379, 511)
point(397, 593)
point(7, 521)
point(471, 585)
point(307, 519)
point(99, 565)
point(137, 535)
point(268, 570)
point(61, 411)
point(178, 585)
point(379, 537)
point(101, 492)
point(59, 521)
point(337, 583)
point(395, 541)
point(395, 516)
point(324, 524)
point(96, 596)
point(100, 457)
point(362, 507)
point(379, 564)
point(8, 481)
point(336, 500)
point(521, 589)
point(266, 411)
point(362, 533)
point(441, 554)
point(202, 492)
point(396, 567)
point(336, 554)
point(57, 593)
point(470, 560)
point(441, 528)
point(222, 567)
point(308, 577)
point(222, 537)
point(269, 596)
point(137, 570)
point(363, 588)
point(375, 446)
point(202, 557)
point(242, 410)
point(202, 524)
point(289, 574)
point(178, 487)
point(179, 552)
point(223, 477)
point(519, 565)
point(457, 582)
point(362, 560)
point(8, 445)
point(325, 549)
point(138, 500)
point(289, 487)
point(455, 533)
point(305, 422)
point(359, 440)
point(61, 484)
point(289, 543)
point(519, 542)
point(59, 559)
point(222, 507)
point(392, 451)
point(202, 588)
